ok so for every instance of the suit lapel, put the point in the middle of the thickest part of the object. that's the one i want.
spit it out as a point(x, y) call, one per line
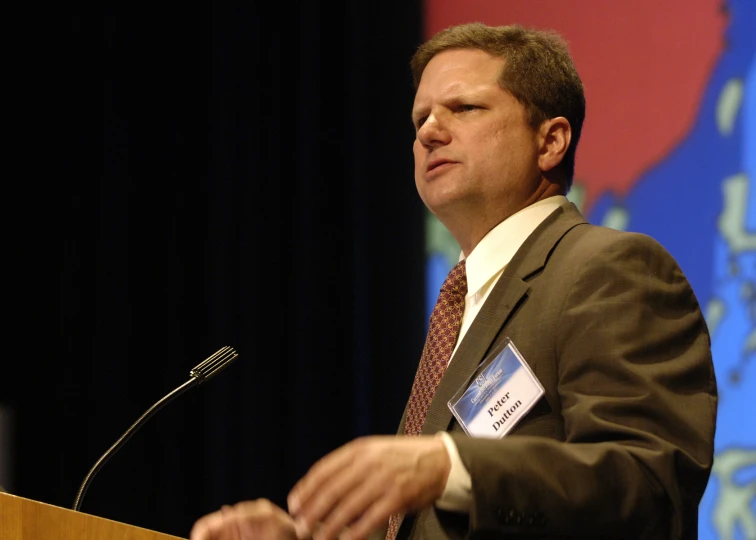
point(471, 351)
point(508, 292)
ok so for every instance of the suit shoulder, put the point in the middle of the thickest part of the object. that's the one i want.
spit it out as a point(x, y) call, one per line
point(588, 240)
point(610, 251)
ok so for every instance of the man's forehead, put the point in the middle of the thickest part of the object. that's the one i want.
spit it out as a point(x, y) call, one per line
point(457, 82)
point(453, 91)
point(458, 68)
point(450, 87)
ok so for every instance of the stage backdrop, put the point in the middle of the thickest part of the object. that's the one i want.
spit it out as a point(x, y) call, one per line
point(668, 149)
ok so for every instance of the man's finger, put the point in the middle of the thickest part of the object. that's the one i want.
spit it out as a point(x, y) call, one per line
point(372, 519)
point(206, 527)
point(332, 495)
point(319, 473)
point(247, 519)
point(350, 508)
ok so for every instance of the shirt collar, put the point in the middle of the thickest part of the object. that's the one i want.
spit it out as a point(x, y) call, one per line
point(498, 247)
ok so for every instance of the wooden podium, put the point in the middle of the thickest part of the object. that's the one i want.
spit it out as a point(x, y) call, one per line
point(24, 519)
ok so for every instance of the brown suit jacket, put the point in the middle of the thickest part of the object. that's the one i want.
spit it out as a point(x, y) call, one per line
point(621, 444)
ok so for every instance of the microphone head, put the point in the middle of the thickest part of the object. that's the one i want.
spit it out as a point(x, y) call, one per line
point(213, 364)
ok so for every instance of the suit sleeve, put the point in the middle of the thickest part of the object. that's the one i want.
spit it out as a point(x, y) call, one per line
point(638, 396)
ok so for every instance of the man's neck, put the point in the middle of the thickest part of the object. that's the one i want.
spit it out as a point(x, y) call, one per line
point(472, 228)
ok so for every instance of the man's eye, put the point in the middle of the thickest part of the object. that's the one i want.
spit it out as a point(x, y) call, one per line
point(420, 121)
point(468, 107)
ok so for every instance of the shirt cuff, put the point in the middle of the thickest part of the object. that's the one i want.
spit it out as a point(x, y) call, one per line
point(457, 495)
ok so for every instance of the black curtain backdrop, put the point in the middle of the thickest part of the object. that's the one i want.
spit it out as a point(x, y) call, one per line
point(255, 190)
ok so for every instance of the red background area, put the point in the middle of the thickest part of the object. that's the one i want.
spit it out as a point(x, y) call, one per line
point(644, 64)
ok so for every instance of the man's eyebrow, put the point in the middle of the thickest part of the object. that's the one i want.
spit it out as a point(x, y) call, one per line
point(447, 97)
point(417, 111)
point(453, 94)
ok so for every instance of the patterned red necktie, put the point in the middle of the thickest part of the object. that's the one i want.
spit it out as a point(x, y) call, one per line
point(443, 331)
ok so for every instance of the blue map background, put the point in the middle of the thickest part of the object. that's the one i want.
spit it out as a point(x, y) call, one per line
point(699, 202)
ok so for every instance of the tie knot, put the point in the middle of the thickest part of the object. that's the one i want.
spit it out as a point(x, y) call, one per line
point(456, 281)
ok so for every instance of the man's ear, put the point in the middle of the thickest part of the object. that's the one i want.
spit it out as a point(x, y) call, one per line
point(554, 138)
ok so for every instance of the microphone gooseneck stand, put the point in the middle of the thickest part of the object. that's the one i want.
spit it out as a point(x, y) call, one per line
point(199, 374)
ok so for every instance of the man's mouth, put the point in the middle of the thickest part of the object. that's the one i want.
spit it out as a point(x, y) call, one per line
point(438, 163)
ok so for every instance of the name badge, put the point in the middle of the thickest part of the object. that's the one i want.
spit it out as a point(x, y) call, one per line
point(499, 396)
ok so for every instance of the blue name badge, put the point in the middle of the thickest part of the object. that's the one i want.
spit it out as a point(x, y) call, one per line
point(500, 395)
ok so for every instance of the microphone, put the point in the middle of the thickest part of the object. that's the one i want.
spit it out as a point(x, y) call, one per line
point(199, 374)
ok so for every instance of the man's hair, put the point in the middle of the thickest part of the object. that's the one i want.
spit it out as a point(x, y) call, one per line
point(538, 72)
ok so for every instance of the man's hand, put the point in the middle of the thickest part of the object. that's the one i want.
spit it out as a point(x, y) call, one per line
point(249, 520)
point(353, 490)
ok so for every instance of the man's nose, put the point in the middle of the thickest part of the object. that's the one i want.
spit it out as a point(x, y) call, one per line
point(433, 132)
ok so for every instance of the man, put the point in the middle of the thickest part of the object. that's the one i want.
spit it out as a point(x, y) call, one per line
point(620, 444)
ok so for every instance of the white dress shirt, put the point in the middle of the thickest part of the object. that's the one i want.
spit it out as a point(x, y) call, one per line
point(484, 266)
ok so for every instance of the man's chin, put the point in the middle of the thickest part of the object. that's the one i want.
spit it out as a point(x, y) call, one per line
point(451, 207)
point(442, 193)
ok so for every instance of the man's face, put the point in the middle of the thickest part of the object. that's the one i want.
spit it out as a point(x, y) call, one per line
point(476, 157)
